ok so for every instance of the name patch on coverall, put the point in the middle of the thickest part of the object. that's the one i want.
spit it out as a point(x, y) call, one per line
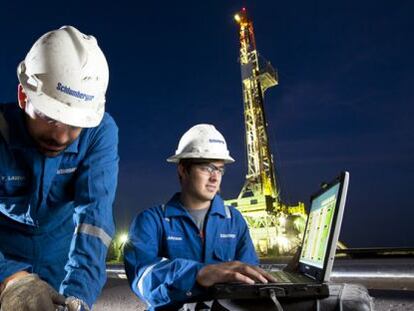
point(13, 178)
point(227, 235)
point(63, 171)
point(174, 238)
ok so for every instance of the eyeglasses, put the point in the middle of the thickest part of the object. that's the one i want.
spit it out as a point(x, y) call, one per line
point(35, 113)
point(45, 118)
point(209, 169)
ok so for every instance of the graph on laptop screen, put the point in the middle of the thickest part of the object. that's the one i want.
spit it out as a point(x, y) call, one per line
point(319, 226)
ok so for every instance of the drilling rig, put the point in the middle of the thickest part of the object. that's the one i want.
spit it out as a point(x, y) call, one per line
point(275, 228)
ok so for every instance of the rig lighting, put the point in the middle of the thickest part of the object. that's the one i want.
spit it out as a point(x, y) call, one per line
point(237, 18)
point(284, 243)
point(123, 238)
point(282, 220)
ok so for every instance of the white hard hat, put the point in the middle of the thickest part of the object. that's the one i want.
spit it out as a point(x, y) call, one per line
point(65, 76)
point(202, 141)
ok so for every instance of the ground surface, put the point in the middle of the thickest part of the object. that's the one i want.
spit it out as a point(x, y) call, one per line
point(390, 282)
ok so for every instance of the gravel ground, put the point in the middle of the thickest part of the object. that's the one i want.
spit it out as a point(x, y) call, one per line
point(117, 296)
point(395, 304)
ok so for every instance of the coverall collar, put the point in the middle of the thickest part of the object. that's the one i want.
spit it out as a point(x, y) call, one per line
point(175, 208)
point(19, 137)
point(73, 147)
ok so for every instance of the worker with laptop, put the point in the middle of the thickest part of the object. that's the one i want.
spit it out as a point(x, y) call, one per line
point(195, 253)
point(177, 250)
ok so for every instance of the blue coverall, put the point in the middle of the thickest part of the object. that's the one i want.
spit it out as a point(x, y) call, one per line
point(165, 250)
point(56, 213)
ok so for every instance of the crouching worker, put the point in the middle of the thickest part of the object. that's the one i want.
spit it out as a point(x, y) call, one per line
point(177, 250)
point(58, 169)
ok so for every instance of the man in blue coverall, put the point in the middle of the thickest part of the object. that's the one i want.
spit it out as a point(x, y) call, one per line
point(175, 251)
point(58, 176)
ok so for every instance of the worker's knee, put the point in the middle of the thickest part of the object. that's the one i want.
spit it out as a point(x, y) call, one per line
point(355, 297)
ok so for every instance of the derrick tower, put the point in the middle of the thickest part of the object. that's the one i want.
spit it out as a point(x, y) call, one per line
point(274, 226)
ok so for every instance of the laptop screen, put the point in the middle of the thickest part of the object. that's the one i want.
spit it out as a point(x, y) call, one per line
point(318, 229)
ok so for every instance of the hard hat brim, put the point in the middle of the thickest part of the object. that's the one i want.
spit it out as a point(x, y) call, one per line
point(59, 111)
point(177, 158)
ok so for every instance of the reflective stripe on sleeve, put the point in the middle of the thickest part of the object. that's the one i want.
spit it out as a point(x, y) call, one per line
point(140, 284)
point(94, 231)
point(227, 210)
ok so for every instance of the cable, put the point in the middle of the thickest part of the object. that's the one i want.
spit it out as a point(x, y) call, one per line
point(318, 305)
point(274, 299)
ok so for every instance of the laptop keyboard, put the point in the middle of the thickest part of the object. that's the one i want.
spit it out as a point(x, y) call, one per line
point(289, 277)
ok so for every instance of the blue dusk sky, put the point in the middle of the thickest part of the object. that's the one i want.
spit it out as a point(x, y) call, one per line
point(345, 97)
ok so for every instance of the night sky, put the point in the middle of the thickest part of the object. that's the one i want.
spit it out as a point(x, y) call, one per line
point(345, 98)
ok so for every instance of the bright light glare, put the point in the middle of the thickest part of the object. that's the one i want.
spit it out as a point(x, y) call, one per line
point(237, 18)
point(283, 242)
point(123, 238)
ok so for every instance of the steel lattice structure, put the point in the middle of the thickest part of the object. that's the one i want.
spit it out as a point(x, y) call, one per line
point(269, 220)
point(260, 178)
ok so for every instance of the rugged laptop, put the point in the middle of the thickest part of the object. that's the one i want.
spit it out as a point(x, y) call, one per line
point(317, 255)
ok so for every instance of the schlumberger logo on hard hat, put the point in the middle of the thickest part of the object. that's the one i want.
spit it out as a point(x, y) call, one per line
point(66, 89)
point(202, 141)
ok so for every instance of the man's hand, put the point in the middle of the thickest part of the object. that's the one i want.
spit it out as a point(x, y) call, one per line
point(27, 292)
point(76, 304)
point(234, 271)
point(13, 277)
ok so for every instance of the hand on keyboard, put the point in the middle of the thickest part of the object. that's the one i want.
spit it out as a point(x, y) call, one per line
point(233, 271)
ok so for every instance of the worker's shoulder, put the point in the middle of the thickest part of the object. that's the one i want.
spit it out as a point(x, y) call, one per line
point(107, 122)
point(8, 105)
point(9, 108)
point(150, 218)
point(107, 128)
point(236, 218)
point(233, 211)
point(9, 117)
point(156, 211)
